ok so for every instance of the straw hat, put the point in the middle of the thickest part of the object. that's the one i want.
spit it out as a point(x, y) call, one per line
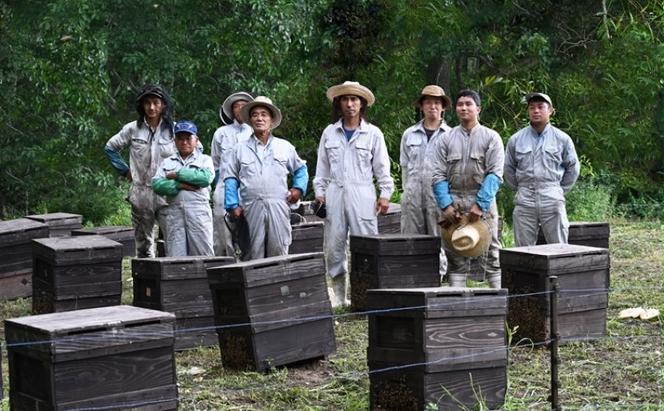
point(262, 101)
point(434, 91)
point(227, 107)
point(351, 88)
point(468, 239)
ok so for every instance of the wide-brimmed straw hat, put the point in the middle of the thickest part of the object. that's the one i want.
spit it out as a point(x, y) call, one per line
point(468, 239)
point(262, 101)
point(350, 88)
point(226, 108)
point(434, 91)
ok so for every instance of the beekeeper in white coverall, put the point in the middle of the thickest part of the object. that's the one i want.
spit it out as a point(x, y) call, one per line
point(150, 140)
point(224, 140)
point(351, 153)
point(419, 211)
point(468, 172)
point(256, 179)
point(541, 166)
point(184, 180)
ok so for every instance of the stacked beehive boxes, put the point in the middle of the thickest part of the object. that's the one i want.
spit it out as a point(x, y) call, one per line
point(118, 358)
point(123, 235)
point(272, 311)
point(307, 237)
point(444, 346)
point(179, 285)
point(392, 261)
point(583, 274)
point(16, 256)
point(583, 233)
point(59, 224)
point(72, 273)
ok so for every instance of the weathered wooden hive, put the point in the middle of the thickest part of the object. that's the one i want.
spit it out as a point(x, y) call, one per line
point(72, 273)
point(444, 346)
point(583, 275)
point(307, 237)
point(390, 223)
point(109, 358)
point(59, 224)
point(583, 233)
point(392, 261)
point(16, 256)
point(123, 235)
point(179, 285)
point(272, 311)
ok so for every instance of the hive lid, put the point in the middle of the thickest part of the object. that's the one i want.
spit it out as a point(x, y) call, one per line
point(92, 319)
point(21, 230)
point(555, 250)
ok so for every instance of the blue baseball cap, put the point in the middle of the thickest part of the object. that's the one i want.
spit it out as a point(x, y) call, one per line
point(186, 126)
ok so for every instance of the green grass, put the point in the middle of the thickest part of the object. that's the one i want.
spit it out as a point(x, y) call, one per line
point(622, 372)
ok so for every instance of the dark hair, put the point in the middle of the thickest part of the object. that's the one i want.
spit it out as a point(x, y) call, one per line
point(337, 112)
point(156, 91)
point(469, 93)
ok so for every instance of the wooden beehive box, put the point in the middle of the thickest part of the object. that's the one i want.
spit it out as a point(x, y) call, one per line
point(442, 345)
point(392, 261)
point(110, 358)
point(272, 311)
point(59, 224)
point(71, 273)
point(584, 233)
point(16, 256)
point(307, 238)
point(123, 235)
point(583, 274)
point(390, 223)
point(179, 285)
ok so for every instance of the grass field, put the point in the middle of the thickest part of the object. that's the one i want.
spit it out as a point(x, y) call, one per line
point(622, 372)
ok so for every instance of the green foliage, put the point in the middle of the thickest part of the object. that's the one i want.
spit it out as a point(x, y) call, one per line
point(69, 71)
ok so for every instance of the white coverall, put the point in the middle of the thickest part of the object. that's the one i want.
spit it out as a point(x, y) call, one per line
point(262, 172)
point(464, 160)
point(344, 176)
point(419, 211)
point(188, 214)
point(146, 151)
point(223, 142)
point(541, 169)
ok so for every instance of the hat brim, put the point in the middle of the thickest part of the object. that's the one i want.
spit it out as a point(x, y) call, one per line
point(447, 101)
point(245, 113)
point(227, 106)
point(350, 90)
point(540, 96)
point(482, 228)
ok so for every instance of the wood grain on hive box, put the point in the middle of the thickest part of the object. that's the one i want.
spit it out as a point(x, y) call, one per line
point(60, 224)
point(118, 357)
point(123, 235)
point(179, 285)
point(440, 345)
point(272, 311)
point(583, 275)
point(75, 272)
point(16, 256)
point(591, 234)
point(308, 237)
point(392, 261)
